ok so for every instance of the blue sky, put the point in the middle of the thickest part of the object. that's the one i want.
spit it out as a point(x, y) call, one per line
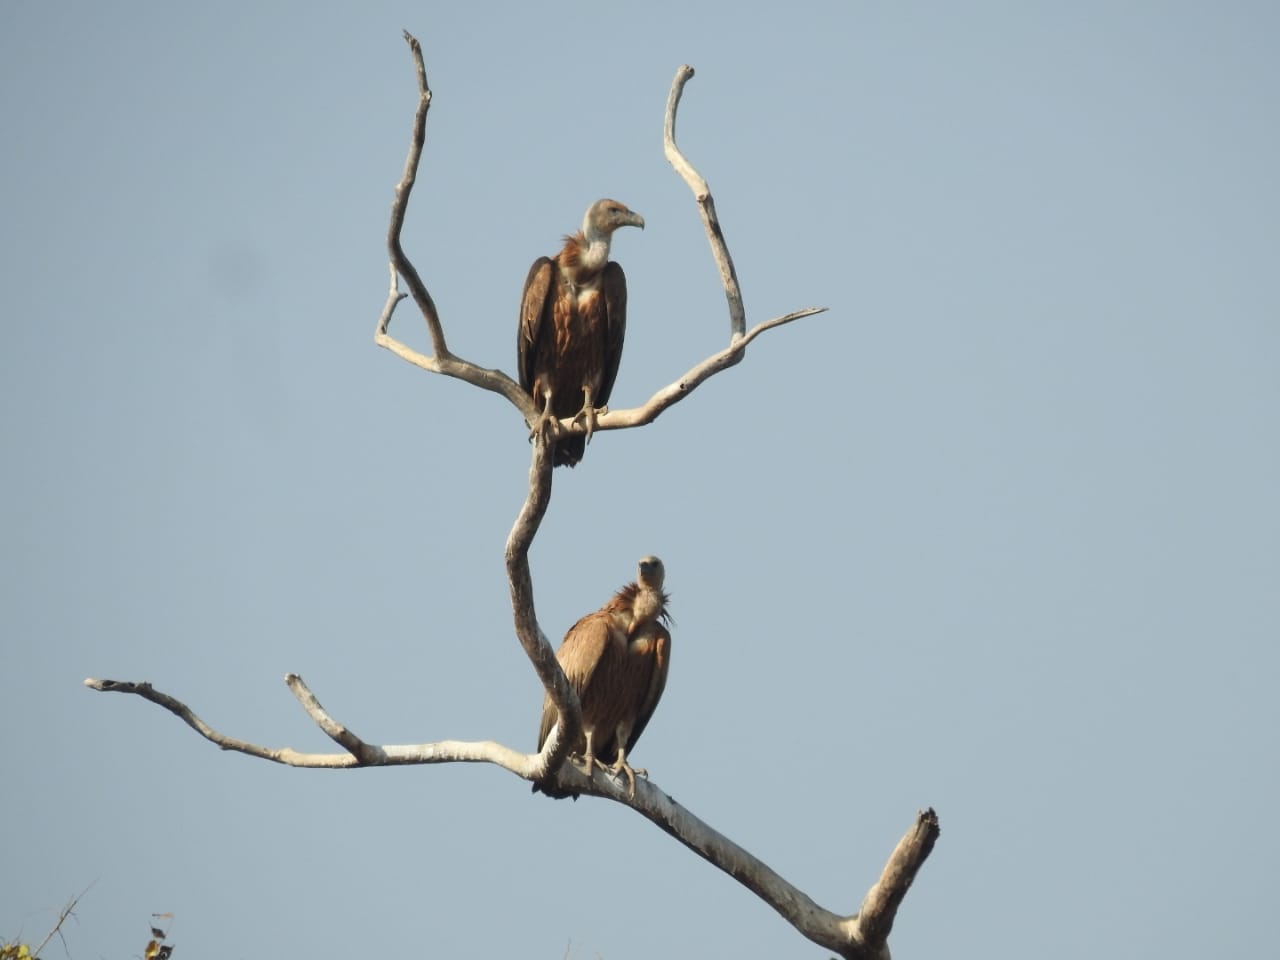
point(998, 534)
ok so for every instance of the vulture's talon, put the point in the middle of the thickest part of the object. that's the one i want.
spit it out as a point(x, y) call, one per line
point(587, 417)
point(546, 425)
point(625, 768)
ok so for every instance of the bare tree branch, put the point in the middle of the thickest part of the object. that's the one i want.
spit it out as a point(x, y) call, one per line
point(675, 392)
point(706, 206)
point(532, 639)
point(359, 753)
point(446, 363)
point(863, 935)
point(880, 906)
point(401, 205)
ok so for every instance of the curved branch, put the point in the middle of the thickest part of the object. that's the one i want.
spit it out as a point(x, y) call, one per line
point(706, 205)
point(532, 639)
point(359, 753)
point(449, 365)
point(444, 362)
point(400, 206)
point(674, 392)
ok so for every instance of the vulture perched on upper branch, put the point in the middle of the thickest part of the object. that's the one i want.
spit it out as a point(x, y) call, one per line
point(616, 660)
point(573, 316)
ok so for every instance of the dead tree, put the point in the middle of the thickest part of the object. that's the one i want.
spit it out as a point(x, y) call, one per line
point(862, 935)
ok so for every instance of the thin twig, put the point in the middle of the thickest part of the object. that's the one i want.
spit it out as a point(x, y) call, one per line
point(62, 918)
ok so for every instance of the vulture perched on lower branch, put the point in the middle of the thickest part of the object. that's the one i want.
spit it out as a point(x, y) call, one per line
point(616, 660)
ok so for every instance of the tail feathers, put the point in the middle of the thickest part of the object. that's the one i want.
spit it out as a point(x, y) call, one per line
point(554, 792)
point(569, 450)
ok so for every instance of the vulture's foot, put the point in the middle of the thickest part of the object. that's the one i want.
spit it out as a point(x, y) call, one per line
point(587, 417)
point(547, 425)
point(624, 768)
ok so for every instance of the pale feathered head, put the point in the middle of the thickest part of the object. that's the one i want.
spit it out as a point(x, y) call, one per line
point(605, 216)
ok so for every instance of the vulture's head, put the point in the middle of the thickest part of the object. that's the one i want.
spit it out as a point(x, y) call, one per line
point(652, 573)
point(605, 216)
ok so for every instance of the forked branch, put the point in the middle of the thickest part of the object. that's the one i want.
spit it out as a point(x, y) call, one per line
point(445, 362)
point(862, 935)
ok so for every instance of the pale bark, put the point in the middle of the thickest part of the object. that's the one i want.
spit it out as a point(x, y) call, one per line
point(861, 935)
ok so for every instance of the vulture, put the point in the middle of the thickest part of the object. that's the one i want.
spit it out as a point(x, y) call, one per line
point(616, 660)
point(573, 316)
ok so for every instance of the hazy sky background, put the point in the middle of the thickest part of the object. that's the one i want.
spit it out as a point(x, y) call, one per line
point(997, 534)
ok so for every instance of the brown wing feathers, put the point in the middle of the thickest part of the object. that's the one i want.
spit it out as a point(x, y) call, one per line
point(616, 660)
point(573, 318)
